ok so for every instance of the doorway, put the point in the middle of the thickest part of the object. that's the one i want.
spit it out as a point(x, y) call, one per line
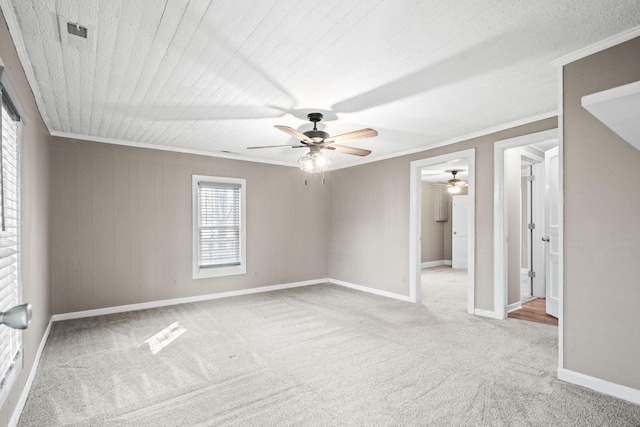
point(434, 166)
point(525, 215)
point(524, 199)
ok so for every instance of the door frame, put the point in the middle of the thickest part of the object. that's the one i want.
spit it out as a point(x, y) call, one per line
point(499, 214)
point(415, 226)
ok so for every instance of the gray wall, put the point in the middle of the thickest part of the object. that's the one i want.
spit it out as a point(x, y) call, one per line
point(448, 237)
point(369, 217)
point(122, 225)
point(35, 216)
point(433, 236)
point(602, 231)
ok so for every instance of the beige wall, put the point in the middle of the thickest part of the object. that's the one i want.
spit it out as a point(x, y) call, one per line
point(35, 216)
point(601, 226)
point(433, 238)
point(122, 225)
point(369, 217)
point(448, 237)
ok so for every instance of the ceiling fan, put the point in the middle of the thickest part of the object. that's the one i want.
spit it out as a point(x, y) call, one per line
point(315, 140)
point(454, 185)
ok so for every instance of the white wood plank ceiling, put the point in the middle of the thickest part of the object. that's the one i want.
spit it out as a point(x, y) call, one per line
point(215, 76)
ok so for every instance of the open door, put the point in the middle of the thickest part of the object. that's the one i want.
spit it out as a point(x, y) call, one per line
point(552, 219)
point(460, 231)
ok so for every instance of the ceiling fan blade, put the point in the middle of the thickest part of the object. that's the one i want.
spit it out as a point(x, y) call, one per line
point(358, 134)
point(294, 133)
point(277, 146)
point(349, 150)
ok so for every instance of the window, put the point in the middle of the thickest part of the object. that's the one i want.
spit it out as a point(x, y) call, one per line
point(10, 289)
point(218, 226)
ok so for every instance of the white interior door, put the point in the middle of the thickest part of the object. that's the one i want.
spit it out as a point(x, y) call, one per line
point(460, 231)
point(539, 247)
point(552, 217)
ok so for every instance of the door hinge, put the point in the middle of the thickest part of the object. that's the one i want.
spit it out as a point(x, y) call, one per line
point(531, 178)
point(531, 274)
point(531, 226)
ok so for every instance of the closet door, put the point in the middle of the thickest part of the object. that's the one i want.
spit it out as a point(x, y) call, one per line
point(460, 231)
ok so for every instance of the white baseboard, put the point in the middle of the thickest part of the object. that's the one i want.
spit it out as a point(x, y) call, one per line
point(513, 307)
point(371, 290)
point(15, 417)
point(162, 303)
point(431, 264)
point(602, 386)
point(183, 300)
point(487, 313)
point(197, 298)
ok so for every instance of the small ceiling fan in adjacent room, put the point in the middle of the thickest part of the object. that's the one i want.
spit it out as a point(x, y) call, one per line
point(313, 160)
point(454, 185)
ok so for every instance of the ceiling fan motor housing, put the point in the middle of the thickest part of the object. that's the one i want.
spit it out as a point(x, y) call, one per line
point(317, 135)
point(314, 117)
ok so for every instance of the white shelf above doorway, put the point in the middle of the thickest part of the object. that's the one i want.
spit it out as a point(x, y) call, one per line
point(619, 109)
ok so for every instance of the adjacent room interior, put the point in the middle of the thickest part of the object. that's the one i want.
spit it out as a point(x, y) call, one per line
point(445, 219)
point(275, 213)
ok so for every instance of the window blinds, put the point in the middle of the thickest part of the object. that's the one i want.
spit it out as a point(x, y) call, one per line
point(10, 339)
point(219, 220)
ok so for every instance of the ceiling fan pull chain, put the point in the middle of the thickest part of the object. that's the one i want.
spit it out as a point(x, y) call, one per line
point(323, 181)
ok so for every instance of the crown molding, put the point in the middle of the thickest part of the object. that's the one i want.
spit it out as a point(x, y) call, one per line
point(622, 37)
point(476, 134)
point(483, 132)
point(230, 156)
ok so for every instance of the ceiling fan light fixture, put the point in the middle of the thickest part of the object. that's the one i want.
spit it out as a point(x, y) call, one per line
point(314, 162)
point(455, 184)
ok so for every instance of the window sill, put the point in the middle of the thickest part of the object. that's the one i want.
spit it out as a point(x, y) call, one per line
point(205, 273)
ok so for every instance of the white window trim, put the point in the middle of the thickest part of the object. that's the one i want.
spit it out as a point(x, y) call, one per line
point(12, 375)
point(202, 273)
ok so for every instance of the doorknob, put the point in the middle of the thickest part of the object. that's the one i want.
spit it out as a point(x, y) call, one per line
point(546, 239)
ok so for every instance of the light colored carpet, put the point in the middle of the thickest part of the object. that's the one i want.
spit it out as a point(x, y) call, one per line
point(319, 355)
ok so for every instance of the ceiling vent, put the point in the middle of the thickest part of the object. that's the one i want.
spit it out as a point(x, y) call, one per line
point(74, 34)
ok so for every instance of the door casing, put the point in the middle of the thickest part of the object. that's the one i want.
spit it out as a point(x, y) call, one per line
point(415, 207)
point(499, 211)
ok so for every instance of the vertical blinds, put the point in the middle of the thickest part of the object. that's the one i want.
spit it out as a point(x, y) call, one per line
point(218, 224)
point(10, 339)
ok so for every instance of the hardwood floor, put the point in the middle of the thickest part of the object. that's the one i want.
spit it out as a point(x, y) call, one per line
point(534, 311)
